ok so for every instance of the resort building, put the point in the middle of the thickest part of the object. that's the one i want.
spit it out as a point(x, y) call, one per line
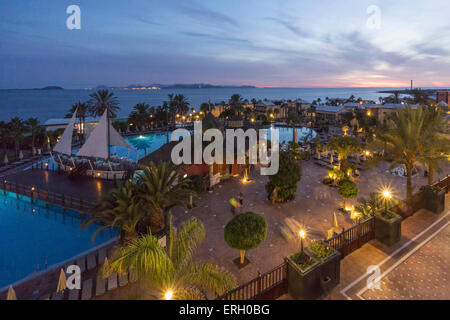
point(443, 96)
point(330, 113)
point(56, 124)
point(382, 111)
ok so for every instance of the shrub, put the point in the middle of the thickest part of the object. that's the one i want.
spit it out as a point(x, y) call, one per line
point(321, 250)
point(283, 185)
point(196, 183)
point(303, 260)
point(245, 231)
point(348, 189)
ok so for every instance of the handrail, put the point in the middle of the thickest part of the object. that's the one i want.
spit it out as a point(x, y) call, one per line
point(259, 285)
point(46, 195)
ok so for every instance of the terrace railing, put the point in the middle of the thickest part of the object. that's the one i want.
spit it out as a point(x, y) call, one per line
point(49, 197)
point(444, 184)
point(353, 238)
point(268, 286)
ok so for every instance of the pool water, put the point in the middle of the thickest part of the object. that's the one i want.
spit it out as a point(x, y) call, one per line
point(152, 142)
point(33, 237)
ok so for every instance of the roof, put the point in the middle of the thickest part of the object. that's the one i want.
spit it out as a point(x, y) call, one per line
point(66, 121)
point(393, 106)
point(327, 108)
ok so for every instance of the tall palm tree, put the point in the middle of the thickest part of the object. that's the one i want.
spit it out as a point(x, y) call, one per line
point(139, 116)
point(401, 141)
point(172, 109)
point(158, 191)
point(435, 146)
point(102, 100)
point(17, 128)
point(4, 136)
point(181, 103)
point(293, 120)
point(82, 113)
point(172, 269)
point(118, 209)
point(34, 126)
point(236, 103)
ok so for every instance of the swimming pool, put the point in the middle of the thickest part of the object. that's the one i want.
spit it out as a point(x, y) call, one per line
point(146, 144)
point(33, 237)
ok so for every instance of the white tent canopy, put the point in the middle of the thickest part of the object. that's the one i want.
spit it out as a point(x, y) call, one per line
point(64, 144)
point(97, 144)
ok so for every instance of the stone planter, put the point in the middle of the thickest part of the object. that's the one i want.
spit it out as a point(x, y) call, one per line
point(388, 231)
point(434, 200)
point(312, 282)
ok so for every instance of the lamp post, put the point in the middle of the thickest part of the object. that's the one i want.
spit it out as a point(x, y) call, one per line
point(387, 196)
point(302, 234)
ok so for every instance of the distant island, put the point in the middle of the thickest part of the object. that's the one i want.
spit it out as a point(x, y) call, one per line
point(157, 86)
point(49, 88)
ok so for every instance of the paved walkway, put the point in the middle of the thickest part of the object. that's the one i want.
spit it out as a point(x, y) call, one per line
point(86, 188)
point(313, 207)
point(415, 268)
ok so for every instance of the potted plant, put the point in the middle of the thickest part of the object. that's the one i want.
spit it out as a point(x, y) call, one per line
point(313, 272)
point(388, 227)
point(434, 199)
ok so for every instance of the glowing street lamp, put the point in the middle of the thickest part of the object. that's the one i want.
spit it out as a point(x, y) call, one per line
point(302, 234)
point(387, 195)
point(168, 295)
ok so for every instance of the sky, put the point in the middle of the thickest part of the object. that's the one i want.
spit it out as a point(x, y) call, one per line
point(307, 43)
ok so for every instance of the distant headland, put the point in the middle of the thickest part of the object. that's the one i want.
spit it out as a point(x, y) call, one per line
point(157, 86)
point(49, 88)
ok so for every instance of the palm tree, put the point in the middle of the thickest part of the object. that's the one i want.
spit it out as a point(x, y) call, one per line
point(435, 146)
point(120, 209)
point(33, 125)
point(172, 109)
point(82, 113)
point(181, 103)
point(172, 269)
point(102, 100)
point(293, 120)
point(4, 135)
point(401, 141)
point(206, 107)
point(158, 191)
point(140, 115)
point(344, 146)
point(17, 128)
point(236, 103)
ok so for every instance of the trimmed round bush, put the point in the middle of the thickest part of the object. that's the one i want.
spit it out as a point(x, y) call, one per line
point(245, 231)
point(348, 189)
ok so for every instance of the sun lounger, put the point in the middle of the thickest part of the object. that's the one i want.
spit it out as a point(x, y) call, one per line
point(86, 291)
point(74, 294)
point(91, 262)
point(123, 279)
point(112, 282)
point(100, 286)
point(57, 296)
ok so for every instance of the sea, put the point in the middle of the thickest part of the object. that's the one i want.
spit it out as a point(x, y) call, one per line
point(47, 104)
